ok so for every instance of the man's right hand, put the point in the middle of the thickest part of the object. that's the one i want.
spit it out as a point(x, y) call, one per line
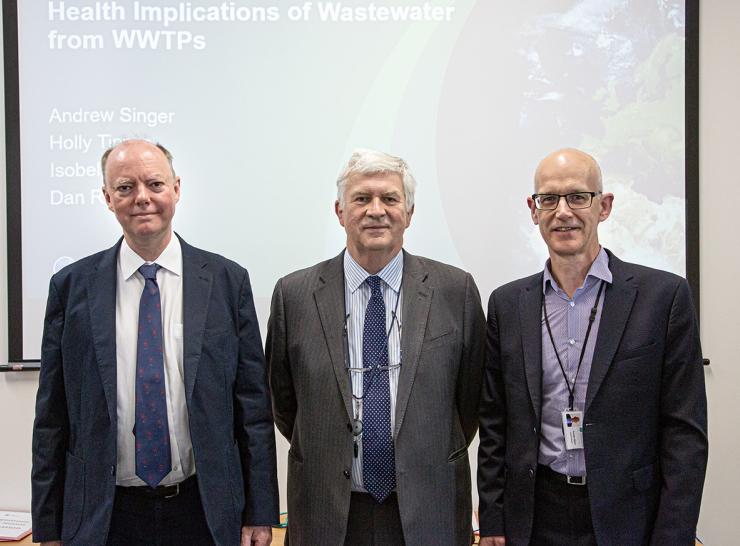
point(493, 541)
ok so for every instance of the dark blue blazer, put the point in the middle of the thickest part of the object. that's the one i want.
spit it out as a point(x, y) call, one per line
point(228, 401)
point(645, 419)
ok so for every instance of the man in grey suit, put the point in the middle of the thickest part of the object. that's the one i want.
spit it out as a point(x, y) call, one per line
point(375, 363)
point(593, 426)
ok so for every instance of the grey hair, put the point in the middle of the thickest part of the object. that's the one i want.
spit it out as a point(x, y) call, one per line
point(165, 151)
point(364, 162)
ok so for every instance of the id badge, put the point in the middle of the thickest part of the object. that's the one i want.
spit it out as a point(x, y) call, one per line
point(573, 429)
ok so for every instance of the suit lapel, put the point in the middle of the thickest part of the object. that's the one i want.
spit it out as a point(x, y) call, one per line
point(530, 322)
point(101, 297)
point(197, 282)
point(618, 300)
point(417, 300)
point(329, 298)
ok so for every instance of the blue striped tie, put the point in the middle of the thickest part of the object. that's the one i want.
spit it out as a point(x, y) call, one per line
point(153, 461)
point(378, 455)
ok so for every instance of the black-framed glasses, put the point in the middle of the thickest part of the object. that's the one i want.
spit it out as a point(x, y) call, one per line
point(575, 200)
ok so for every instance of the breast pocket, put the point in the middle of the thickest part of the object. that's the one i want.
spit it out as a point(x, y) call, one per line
point(629, 353)
point(440, 340)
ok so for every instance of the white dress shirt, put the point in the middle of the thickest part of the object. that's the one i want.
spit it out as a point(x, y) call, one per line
point(129, 286)
point(356, 296)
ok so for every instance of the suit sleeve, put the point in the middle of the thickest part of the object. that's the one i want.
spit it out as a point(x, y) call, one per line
point(255, 433)
point(50, 429)
point(492, 449)
point(471, 367)
point(284, 403)
point(683, 427)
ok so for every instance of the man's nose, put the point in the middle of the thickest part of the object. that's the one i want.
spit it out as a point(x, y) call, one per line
point(375, 207)
point(142, 195)
point(563, 209)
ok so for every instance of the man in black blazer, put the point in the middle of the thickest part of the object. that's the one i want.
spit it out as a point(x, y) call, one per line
point(153, 420)
point(617, 454)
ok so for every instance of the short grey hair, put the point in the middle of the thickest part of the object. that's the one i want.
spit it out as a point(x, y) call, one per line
point(364, 162)
point(165, 151)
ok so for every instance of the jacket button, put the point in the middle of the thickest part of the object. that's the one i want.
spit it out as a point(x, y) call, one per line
point(346, 474)
point(531, 473)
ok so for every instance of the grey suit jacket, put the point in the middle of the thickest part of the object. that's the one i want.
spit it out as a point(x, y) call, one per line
point(74, 439)
point(436, 411)
point(645, 421)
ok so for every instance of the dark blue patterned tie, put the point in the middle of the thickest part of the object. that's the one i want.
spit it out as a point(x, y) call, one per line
point(378, 457)
point(152, 433)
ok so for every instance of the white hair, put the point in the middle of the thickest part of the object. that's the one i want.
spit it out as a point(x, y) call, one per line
point(364, 162)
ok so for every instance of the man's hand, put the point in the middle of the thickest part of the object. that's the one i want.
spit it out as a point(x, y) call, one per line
point(52, 543)
point(256, 536)
point(493, 541)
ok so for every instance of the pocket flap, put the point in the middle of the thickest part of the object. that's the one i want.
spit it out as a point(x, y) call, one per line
point(457, 454)
point(644, 478)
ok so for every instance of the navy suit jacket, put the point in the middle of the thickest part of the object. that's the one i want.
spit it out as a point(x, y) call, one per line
point(645, 418)
point(228, 401)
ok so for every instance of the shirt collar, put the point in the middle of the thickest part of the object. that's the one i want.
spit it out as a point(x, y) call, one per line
point(355, 274)
point(599, 270)
point(170, 259)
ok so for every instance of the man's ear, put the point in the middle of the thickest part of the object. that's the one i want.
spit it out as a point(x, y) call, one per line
point(533, 210)
point(339, 212)
point(607, 201)
point(409, 214)
point(107, 197)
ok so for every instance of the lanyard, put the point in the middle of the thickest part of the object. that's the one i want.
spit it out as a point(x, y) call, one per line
point(375, 369)
point(591, 318)
point(357, 400)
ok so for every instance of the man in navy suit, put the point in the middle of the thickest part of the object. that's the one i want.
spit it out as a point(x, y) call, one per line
point(153, 421)
point(593, 421)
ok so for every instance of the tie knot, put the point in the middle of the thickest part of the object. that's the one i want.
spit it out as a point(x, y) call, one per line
point(149, 271)
point(374, 282)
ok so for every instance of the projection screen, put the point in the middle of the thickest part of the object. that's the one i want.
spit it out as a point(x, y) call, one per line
point(262, 102)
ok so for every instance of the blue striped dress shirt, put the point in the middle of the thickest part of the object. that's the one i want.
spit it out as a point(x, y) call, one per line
point(356, 296)
point(569, 322)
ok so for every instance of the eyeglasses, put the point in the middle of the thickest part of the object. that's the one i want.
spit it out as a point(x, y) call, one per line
point(370, 369)
point(576, 200)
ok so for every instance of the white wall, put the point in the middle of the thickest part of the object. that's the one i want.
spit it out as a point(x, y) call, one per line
point(17, 390)
point(720, 262)
point(720, 269)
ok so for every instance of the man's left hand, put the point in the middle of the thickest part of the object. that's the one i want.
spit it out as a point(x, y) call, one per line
point(256, 536)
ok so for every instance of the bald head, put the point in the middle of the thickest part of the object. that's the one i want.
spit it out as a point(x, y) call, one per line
point(138, 145)
point(569, 163)
point(571, 181)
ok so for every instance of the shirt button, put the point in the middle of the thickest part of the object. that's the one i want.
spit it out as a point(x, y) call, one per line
point(572, 341)
point(346, 474)
point(572, 304)
point(175, 467)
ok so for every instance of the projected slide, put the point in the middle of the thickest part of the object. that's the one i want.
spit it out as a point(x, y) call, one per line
point(262, 102)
